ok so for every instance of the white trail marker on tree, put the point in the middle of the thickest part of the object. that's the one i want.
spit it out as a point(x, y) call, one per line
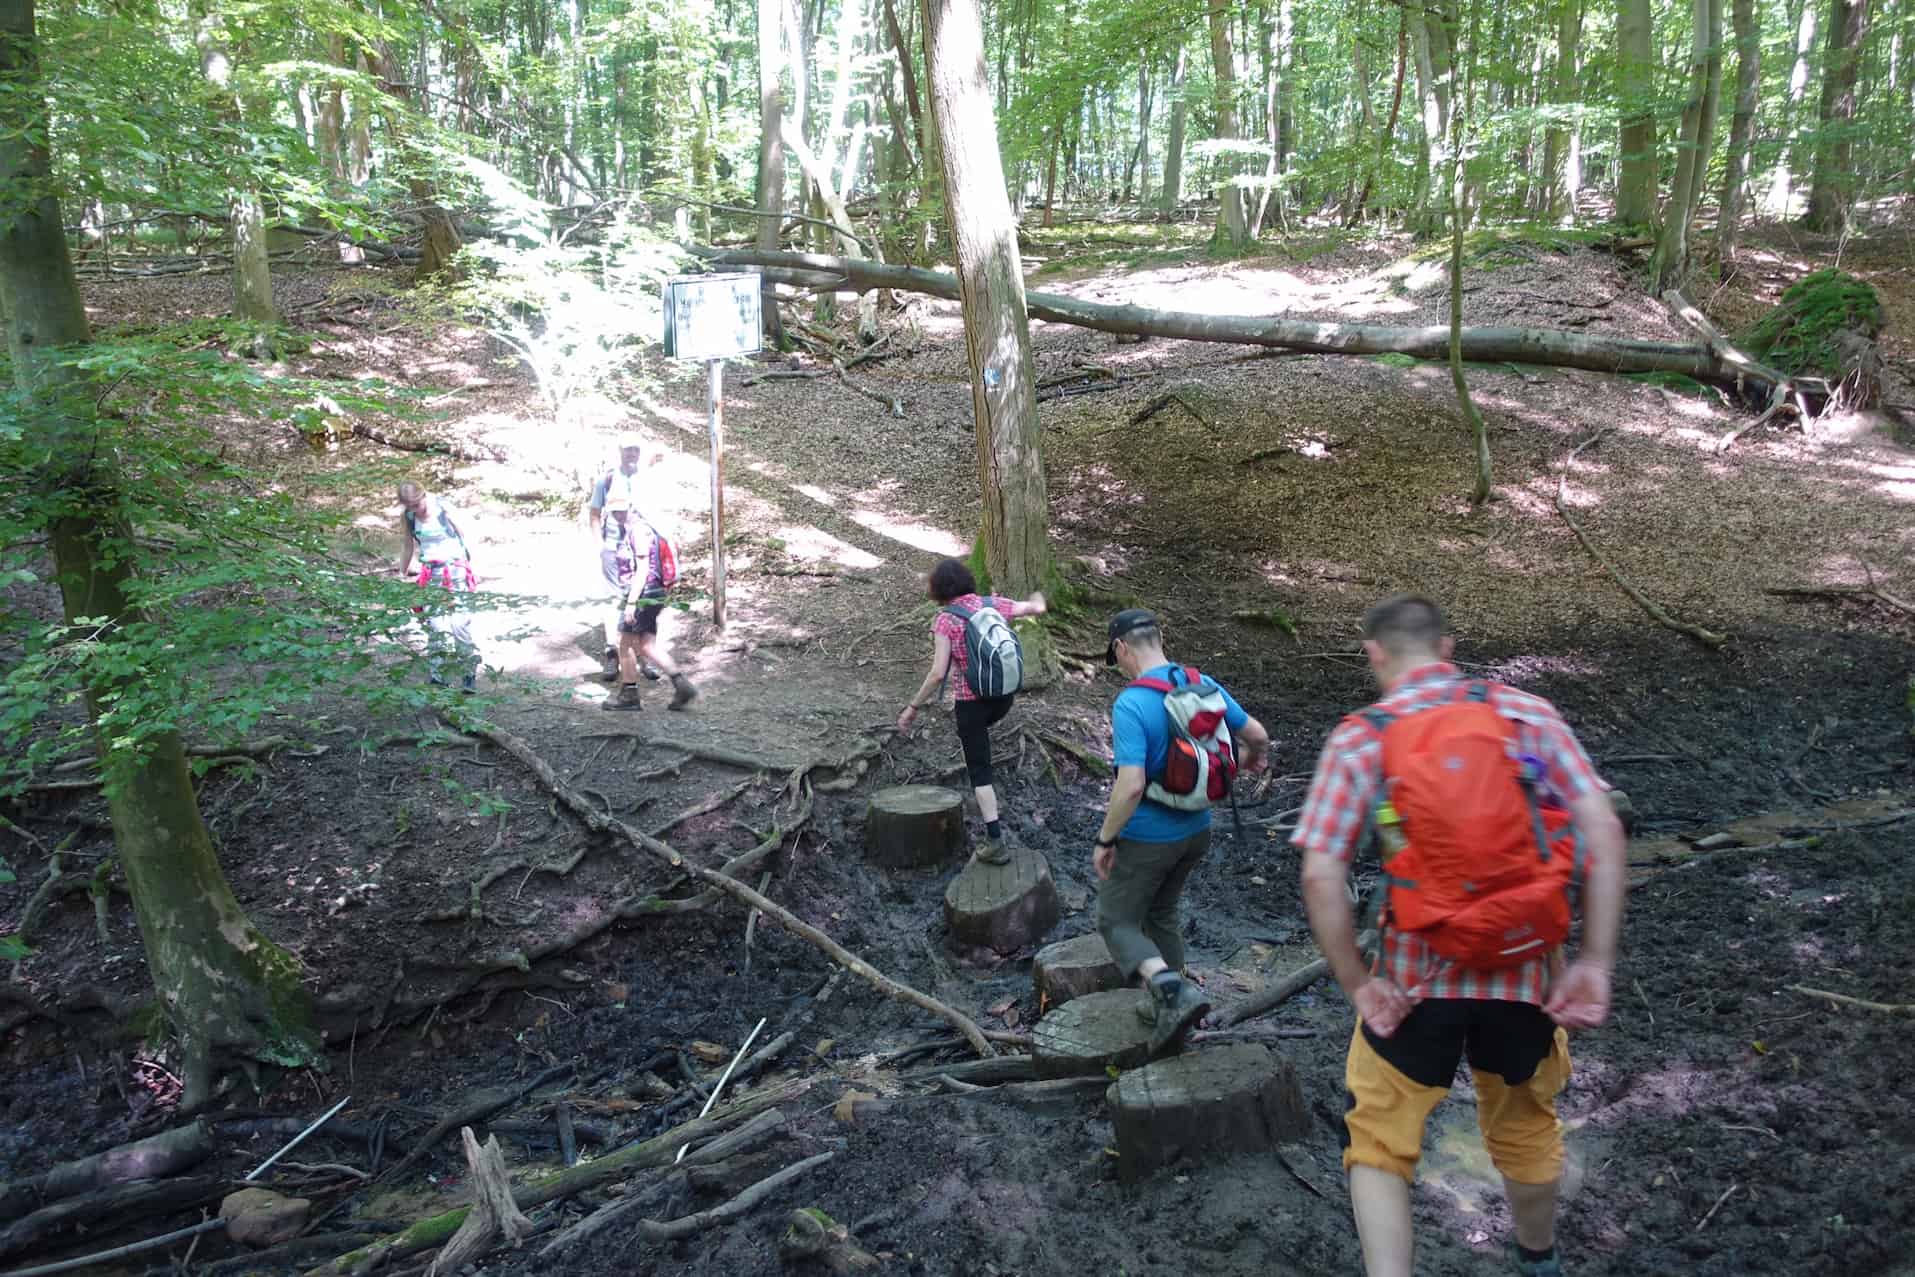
point(712, 318)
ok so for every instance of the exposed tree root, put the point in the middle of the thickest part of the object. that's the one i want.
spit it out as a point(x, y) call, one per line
point(1708, 638)
point(1906, 1009)
point(890, 403)
point(1871, 591)
point(602, 823)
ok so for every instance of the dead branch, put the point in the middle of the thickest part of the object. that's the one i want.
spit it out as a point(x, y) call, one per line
point(1778, 403)
point(1905, 1009)
point(1708, 638)
point(493, 1215)
point(686, 1225)
point(654, 1152)
point(815, 1236)
point(1272, 996)
point(890, 403)
point(476, 1107)
point(1089, 759)
point(602, 823)
point(434, 447)
point(114, 1202)
point(1871, 592)
point(1164, 401)
point(154, 1157)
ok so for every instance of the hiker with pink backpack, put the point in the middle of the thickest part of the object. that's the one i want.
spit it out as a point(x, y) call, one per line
point(642, 565)
point(975, 649)
point(1178, 740)
point(1486, 811)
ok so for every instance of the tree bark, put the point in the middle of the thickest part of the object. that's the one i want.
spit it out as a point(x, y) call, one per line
point(225, 988)
point(1173, 192)
point(1233, 212)
point(1832, 185)
point(1547, 346)
point(1671, 264)
point(1140, 157)
point(1781, 191)
point(1748, 84)
point(771, 154)
point(442, 238)
point(1010, 441)
point(1557, 198)
point(1386, 139)
point(1635, 67)
point(246, 217)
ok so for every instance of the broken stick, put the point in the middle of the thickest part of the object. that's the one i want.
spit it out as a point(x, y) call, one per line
point(1860, 1004)
point(1708, 638)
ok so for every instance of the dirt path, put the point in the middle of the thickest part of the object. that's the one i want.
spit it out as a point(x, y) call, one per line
point(1313, 486)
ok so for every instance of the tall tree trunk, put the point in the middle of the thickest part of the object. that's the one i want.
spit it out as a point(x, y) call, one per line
point(1459, 224)
point(1832, 185)
point(1141, 156)
point(1748, 84)
point(1010, 440)
point(1671, 264)
point(252, 275)
point(1387, 137)
point(1635, 69)
point(442, 239)
point(771, 152)
point(1557, 198)
point(226, 990)
point(1173, 192)
point(1233, 213)
point(1781, 192)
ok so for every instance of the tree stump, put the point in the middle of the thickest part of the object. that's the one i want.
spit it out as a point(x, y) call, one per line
point(1091, 1033)
point(1214, 1102)
point(1071, 968)
point(913, 826)
point(1002, 907)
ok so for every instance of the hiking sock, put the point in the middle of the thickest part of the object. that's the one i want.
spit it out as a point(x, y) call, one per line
point(1529, 1256)
point(993, 830)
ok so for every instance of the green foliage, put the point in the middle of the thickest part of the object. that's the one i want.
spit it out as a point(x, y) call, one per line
point(1797, 335)
point(242, 606)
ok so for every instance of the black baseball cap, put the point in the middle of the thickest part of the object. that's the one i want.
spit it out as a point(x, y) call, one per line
point(1126, 621)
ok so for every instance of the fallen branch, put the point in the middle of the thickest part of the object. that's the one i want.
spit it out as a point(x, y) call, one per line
point(433, 447)
point(1870, 591)
point(814, 1236)
point(476, 1107)
point(1747, 371)
point(1164, 401)
point(654, 1152)
point(1092, 762)
point(1905, 1009)
point(154, 1157)
point(602, 823)
point(115, 1202)
point(493, 1214)
point(1273, 996)
point(686, 1225)
point(890, 403)
point(1708, 638)
point(1548, 346)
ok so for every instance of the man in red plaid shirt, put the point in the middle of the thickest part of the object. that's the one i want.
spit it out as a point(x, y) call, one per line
point(1420, 1013)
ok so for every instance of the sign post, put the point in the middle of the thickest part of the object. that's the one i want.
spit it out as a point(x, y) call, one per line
point(710, 318)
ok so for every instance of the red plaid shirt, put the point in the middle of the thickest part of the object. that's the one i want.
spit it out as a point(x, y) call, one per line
point(952, 628)
point(1344, 791)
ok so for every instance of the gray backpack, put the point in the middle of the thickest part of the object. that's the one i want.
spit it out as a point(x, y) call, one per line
point(993, 657)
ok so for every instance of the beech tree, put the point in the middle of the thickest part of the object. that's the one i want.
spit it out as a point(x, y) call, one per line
point(997, 335)
point(1832, 185)
point(225, 988)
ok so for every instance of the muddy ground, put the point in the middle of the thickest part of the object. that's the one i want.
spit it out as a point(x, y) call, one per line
point(1721, 1123)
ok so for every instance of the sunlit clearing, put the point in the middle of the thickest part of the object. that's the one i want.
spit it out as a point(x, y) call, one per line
point(805, 542)
point(1519, 668)
point(918, 535)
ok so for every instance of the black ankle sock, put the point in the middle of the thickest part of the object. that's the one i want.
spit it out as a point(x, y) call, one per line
point(1529, 1256)
point(992, 830)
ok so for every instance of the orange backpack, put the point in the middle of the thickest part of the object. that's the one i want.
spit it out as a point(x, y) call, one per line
point(1485, 873)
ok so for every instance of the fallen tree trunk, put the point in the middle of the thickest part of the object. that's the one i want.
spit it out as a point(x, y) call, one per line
point(1548, 346)
point(155, 1157)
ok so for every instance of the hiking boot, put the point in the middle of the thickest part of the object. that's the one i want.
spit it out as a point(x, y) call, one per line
point(683, 693)
point(625, 698)
point(651, 672)
point(469, 684)
point(992, 851)
point(1180, 1004)
point(1549, 1267)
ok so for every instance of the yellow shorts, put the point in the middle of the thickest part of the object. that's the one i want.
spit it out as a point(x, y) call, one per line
point(1394, 1083)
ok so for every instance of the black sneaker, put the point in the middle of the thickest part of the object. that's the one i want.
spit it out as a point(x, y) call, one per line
point(651, 672)
point(1180, 1004)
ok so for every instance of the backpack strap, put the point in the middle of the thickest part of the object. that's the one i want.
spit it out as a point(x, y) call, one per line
point(1154, 685)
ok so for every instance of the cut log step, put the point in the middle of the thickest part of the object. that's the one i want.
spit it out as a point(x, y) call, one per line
point(914, 826)
point(1002, 907)
point(1072, 968)
point(1204, 1104)
point(1090, 1034)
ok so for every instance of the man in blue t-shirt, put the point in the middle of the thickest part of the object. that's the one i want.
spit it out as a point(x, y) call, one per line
point(1145, 848)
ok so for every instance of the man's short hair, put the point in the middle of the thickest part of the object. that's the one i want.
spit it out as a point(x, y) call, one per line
point(1404, 622)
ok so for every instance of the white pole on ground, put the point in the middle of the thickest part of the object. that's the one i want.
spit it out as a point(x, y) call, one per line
point(723, 1078)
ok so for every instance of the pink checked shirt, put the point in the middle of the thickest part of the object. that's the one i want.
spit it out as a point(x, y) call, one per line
point(1344, 790)
point(952, 628)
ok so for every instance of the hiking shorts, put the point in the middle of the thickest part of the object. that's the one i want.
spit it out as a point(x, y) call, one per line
point(974, 719)
point(1518, 1059)
point(645, 622)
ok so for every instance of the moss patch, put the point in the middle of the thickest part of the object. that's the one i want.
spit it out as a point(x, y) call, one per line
point(1798, 335)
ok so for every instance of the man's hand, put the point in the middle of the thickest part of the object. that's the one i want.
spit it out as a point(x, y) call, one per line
point(1382, 1005)
point(1253, 762)
point(1580, 999)
point(906, 718)
point(1103, 860)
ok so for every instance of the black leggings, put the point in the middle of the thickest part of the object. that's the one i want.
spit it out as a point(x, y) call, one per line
point(974, 719)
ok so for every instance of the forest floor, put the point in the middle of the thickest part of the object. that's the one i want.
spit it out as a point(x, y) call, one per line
point(1720, 1124)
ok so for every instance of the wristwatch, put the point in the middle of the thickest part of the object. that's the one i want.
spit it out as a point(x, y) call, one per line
point(1106, 842)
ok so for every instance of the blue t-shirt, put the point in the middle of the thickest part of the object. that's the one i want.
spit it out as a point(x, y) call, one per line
point(1140, 737)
